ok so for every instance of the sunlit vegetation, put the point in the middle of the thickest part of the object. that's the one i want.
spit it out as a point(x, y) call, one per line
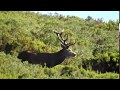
point(96, 47)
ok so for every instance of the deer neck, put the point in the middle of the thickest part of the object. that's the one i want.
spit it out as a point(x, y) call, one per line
point(60, 56)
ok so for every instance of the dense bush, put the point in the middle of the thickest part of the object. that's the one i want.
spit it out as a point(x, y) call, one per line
point(12, 68)
point(96, 46)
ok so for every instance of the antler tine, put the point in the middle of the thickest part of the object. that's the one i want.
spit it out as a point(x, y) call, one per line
point(59, 35)
point(69, 44)
point(58, 32)
point(62, 30)
point(63, 40)
point(55, 31)
point(66, 35)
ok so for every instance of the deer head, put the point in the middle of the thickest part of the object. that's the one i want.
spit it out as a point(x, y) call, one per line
point(65, 46)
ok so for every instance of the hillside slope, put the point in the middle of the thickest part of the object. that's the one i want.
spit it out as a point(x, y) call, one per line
point(96, 46)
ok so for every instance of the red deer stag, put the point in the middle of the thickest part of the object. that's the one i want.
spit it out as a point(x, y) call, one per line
point(50, 59)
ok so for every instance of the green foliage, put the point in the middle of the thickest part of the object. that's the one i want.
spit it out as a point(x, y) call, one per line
point(95, 43)
point(12, 68)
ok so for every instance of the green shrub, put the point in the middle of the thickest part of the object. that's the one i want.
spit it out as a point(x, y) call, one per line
point(95, 42)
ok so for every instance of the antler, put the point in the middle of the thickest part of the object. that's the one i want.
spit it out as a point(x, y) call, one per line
point(63, 41)
point(70, 44)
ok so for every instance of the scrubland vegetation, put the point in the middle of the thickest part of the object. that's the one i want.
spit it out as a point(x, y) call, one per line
point(97, 46)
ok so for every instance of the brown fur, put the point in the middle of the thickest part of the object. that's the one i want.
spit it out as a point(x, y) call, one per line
point(48, 59)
